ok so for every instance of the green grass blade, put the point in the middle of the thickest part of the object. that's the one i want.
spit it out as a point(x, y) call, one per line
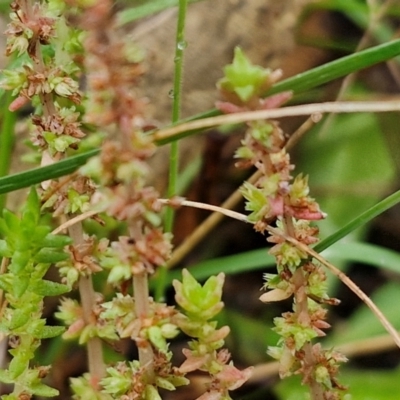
point(37, 175)
point(361, 220)
point(338, 68)
point(6, 143)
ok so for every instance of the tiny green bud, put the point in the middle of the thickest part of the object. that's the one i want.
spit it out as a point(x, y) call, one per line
point(64, 86)
point(257, 202)
point(164, 384)
point(116, 383)
point(78, 202)
point(156, 338)
point(202, 301)
point(322, 376)
point(261, 131)
point(244, 152)
point(169, 331)
point(151, 393)
point(119, 273)
point(299, 188)
point(243, 78)
point(17, 44)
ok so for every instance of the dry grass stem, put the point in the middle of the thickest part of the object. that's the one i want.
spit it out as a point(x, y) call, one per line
point(206, 226)
point(209, 207)
point(74, 221)
point(306, 109)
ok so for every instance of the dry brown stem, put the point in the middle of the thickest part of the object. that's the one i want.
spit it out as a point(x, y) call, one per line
point(306, 109)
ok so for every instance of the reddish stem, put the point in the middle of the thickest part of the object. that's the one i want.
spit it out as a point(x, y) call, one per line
point(141, 293)
point(96, 365)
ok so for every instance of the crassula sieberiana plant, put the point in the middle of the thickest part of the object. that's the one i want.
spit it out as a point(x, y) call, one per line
point(276, 195)
point(54, 56)
point(79, 71)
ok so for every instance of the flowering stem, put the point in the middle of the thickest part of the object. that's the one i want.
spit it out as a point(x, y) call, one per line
point(345, 279)
point(95, 356)
point(303, 317)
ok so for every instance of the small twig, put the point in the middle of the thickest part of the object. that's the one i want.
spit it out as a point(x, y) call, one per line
point(75, 220)
point(345, 279)
point(306, 109)
point(302, 130)
point(206, 226)
point(209, 207)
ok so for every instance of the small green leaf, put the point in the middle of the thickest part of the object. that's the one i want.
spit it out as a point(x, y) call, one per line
point(17, 366)
point(40, 389)
point(38, 235)
point(29, 221)
point(47, 332)
point(4, 249)
point(11, 220)
point(151, 393)
point(49, 256)
point(49, 288)
point(5, 376)
point(20, 285)
point(20, 260)
point(3, 226)
point(56, 241)
point(19, 318)
point(156, 337)
point(6, 282)
point(165, 384)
